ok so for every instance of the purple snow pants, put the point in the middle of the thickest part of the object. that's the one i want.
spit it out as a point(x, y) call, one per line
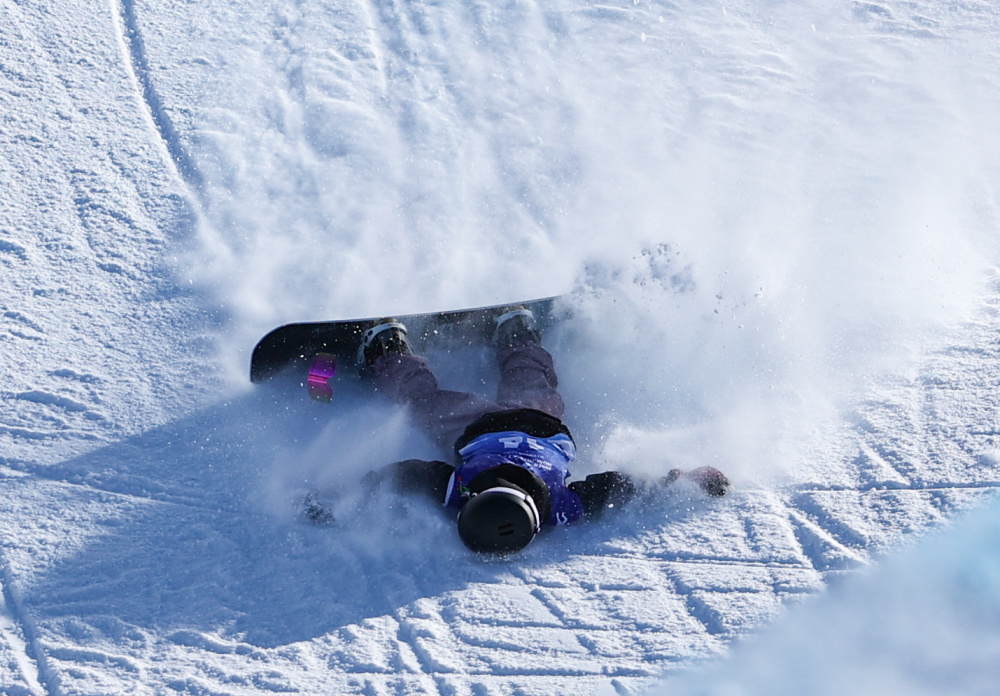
point(527, 380)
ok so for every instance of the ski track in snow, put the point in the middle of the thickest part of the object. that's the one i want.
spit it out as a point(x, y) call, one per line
point(134, 47)
point(140, 554)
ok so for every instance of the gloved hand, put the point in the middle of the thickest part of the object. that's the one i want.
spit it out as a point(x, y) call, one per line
point(710, 479)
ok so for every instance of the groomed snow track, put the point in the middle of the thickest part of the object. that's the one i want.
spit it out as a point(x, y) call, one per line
point(139, 552)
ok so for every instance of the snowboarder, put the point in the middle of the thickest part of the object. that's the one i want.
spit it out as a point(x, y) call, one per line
point(512, 454)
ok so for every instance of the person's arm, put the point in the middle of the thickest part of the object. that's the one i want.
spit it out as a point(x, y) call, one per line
point(414, 477)
point(601, 492)
point(613, 489)
point(410, 477)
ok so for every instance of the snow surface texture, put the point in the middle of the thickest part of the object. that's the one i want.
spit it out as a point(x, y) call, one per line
point(779, 223)
point(923, 622)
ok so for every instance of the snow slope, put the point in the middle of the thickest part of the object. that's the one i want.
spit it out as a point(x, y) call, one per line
point(922, 622)
point(779, 225)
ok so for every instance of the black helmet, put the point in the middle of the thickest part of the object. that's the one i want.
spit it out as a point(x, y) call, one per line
point(499, 520)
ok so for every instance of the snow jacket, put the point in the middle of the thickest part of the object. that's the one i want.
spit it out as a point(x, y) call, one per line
point(547, 458)
point(528, 449)
point(526, 440)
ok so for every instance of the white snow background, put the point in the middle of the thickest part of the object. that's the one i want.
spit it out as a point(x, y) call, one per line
point(777, 225)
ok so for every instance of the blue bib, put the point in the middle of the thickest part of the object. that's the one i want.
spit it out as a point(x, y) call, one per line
point(548, 458)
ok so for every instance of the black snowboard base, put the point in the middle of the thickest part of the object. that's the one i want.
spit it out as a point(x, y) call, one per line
point(295, 346)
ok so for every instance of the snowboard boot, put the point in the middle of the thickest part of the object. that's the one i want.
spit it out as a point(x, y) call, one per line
point(387, 336)
point(516, 328)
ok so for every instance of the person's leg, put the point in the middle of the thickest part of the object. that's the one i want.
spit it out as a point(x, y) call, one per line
point(528, 380)
point(443, 414)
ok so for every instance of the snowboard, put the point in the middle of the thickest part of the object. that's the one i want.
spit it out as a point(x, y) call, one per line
point(319, 349)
